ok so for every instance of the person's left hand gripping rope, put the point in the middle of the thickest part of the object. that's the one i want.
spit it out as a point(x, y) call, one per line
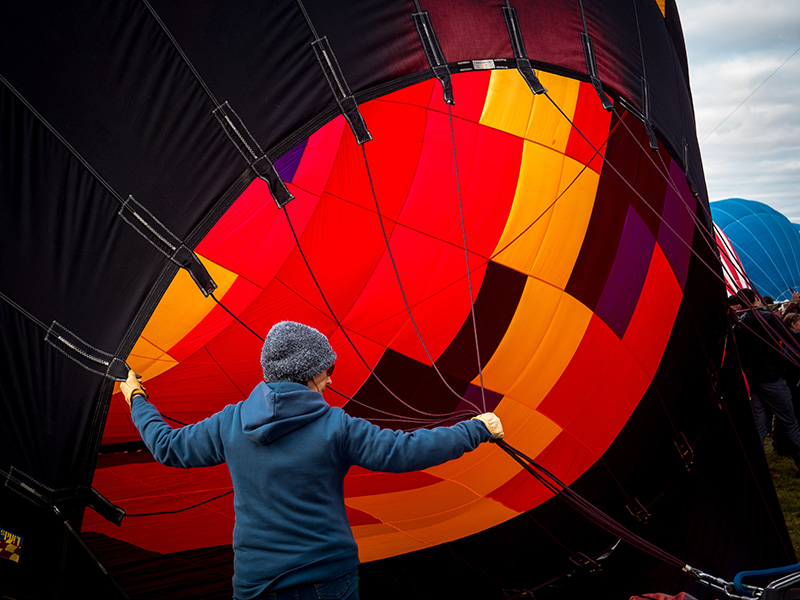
point(132, 386)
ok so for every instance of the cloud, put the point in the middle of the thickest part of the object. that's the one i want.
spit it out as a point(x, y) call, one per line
point(716, 27)
point(750, 151)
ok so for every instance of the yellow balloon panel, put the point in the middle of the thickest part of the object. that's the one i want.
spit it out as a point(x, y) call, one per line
point(509, 103)
point(381, 540)
point(411, 505)
point(484, 469)
point(482, 476)
point(511, 107)
point(149, 360)
point(567, 226)
point(549, 216)
point(476, 516)
point(531, 431)
point(531, 211)
point(180, 310)
point(546, 329)
point(559, 338)
point(547, 125)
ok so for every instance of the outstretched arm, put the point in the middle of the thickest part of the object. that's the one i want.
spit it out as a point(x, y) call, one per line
point(371, 447)
point(197, 445)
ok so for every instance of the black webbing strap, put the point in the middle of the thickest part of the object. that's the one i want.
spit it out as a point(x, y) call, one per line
point(518, 44)
point(433, 51)
point(166, 242)
point(341, 91)
point(248, 147)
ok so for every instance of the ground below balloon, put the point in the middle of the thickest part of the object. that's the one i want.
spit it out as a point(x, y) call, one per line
point(787, 484)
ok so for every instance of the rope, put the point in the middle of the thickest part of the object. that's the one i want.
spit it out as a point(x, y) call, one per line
point(750, 94)
point(560, 489)
point(64, 142)
point(605, 522)
point(466, 258)
point(546, 478)
point(561, 195)
point(245, 325)
point(180, 52)
point(775, 335)
point(179, 510)
point(33, 319)
point(637, 193)
point(390, 254)
point(341, 326)
point(455, 416)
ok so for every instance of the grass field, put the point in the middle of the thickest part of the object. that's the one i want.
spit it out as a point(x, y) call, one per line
point(787, 484)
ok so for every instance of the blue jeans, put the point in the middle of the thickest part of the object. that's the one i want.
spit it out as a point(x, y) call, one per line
point(341, 588)
point(776, 397)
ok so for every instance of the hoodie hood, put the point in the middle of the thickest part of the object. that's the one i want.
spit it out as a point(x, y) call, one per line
point(275, 409)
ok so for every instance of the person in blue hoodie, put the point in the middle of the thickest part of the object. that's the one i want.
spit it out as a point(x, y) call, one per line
point(288, 451)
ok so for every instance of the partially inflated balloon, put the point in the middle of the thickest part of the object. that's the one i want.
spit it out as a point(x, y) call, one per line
point(575, 279)
point(766, 242)
point(540, 247)
point(732, 268)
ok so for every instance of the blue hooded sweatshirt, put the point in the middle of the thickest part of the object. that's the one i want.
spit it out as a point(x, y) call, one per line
point(288, 451)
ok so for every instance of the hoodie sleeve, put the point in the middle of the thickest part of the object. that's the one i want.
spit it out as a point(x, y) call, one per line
point(371, 447)
point(197, 445)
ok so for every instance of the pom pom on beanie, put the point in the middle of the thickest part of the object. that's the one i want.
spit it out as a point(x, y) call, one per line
point(295, 352)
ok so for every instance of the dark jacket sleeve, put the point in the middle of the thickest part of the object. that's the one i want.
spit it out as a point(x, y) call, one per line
point(197, 445)
point(371, 447)
point(759, 338)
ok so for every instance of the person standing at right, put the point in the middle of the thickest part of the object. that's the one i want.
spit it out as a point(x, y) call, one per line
point(758, 337)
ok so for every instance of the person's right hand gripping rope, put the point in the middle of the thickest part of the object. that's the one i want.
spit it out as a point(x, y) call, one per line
point(493, 424)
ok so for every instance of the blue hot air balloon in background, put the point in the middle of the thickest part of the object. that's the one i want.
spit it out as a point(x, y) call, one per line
point(767, 243)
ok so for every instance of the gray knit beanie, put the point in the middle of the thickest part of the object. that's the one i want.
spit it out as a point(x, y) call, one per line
point(295, 352)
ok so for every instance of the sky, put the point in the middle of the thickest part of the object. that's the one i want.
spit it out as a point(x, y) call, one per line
point(734, 48)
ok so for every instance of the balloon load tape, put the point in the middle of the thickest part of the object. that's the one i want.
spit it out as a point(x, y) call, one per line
point(249, 148)
point(166, 242)
point(89, 357)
